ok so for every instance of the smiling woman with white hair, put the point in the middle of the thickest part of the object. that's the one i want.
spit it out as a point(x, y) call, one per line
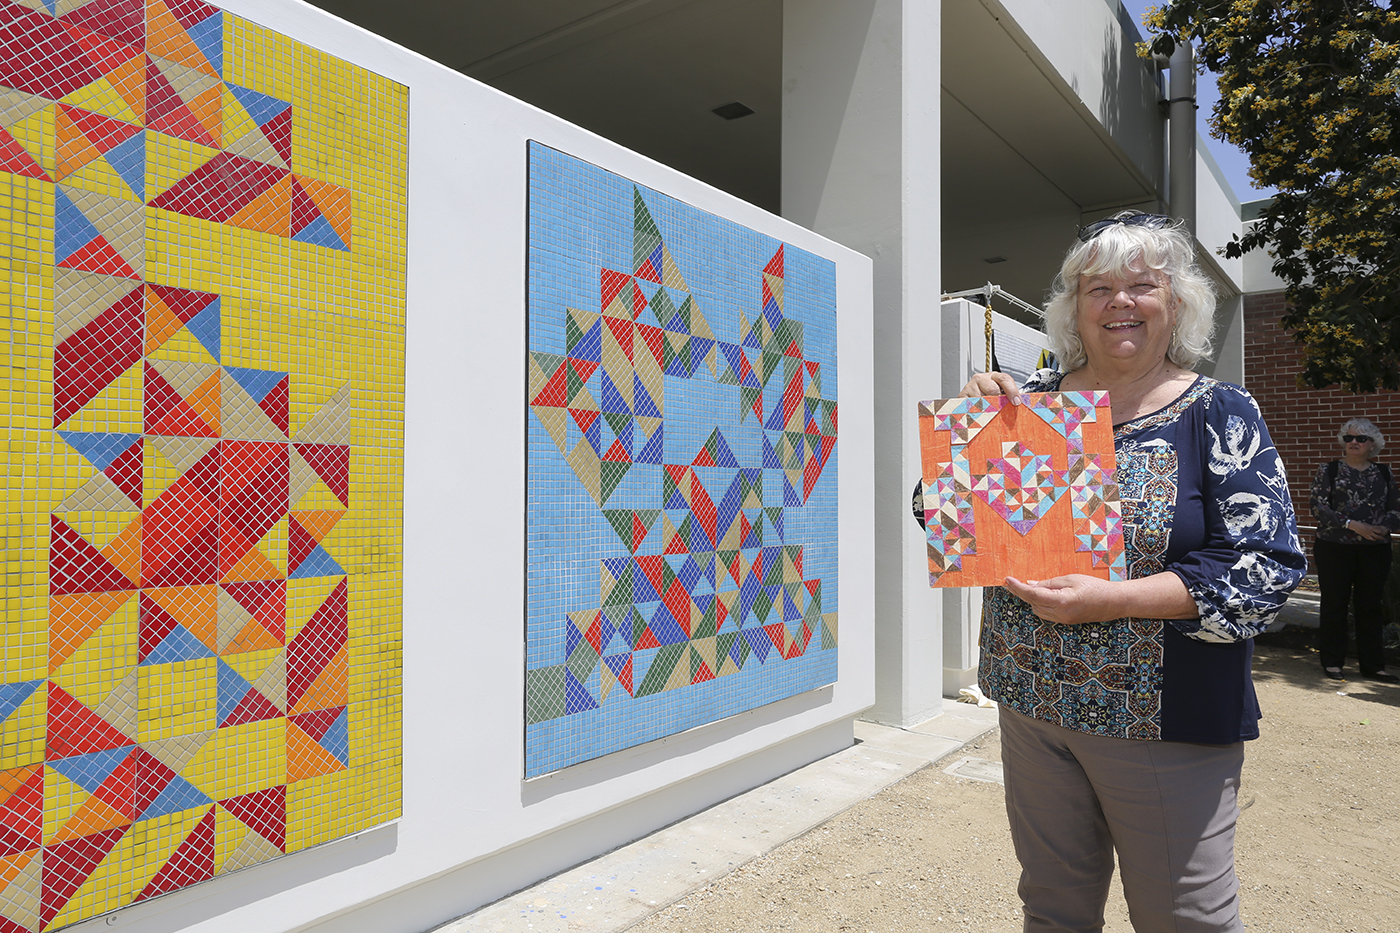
point(1124, 705)
point(1357, 507)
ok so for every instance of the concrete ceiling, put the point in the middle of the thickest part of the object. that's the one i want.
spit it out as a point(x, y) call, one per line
point(644, 73)
point(1021, 162)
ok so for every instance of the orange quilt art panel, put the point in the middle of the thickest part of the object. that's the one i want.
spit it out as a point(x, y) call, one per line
point(1026, 491)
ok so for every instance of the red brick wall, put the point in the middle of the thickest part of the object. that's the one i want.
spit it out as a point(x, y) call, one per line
point(1304, 422)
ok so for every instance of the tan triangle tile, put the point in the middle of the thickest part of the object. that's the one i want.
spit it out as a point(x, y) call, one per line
point(242, 418)
point(19, 901)
point(179, 751)
point(272, 683)
point(121, 704)
point(18, 105)
point(233, 618)
point(98, 494)
point(79, 297)
point(251, 851)
point(331, 423)
point(255, 145)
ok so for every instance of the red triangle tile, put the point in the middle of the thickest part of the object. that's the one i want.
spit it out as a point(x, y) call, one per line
point(75, 566)
point(275, 404)
point(102, 131)
point(315, 724)
point(126, 472)
point(153, 624)
point(193, 861)
point(96, 354)
point(16, 160)
point(264, 812)
point(73, 729)
point(331, 462)
point(167, 113)
point(67, 865)
point(278, 131)
point(254, 707)
point(99, 257)
point(324, 634)
point(22, 815)
point(123, 20)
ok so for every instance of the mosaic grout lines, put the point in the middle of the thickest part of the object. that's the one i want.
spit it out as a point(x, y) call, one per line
point(202, 237)
point(682, 522)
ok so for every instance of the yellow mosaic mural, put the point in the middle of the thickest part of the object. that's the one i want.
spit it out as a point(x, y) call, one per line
point(202, 272)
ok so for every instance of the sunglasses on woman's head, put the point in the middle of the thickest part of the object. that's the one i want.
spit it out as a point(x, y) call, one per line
point(1359, 438)
point(1138, 219)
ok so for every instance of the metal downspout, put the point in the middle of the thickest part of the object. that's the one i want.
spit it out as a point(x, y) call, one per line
point(1181, 122)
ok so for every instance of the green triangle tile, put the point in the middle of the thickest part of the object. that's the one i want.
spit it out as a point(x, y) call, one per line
point(572, 333)
point(621, 521)
point(696, 662)
point(685, 310)
point(645, 235)
point(639, 625)
point(660, 670)
point(609, 475)
point(583, 660)
point(746, 400)
point(544, 694)
point(727, 377)
point(618, 421)
point(762, 605)
point(828, 637)
point(706, 628)
point(648, 517)
point(771, 364)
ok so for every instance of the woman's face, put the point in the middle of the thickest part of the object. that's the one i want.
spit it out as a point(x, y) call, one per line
point(1126, 317)
point(1355, 448)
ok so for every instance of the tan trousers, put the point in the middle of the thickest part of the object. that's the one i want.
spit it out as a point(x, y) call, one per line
point(1167, 808)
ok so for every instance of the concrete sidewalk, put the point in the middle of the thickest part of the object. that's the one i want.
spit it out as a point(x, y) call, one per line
point(619, 889)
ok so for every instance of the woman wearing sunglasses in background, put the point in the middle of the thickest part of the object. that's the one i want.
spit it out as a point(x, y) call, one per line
point(1125, 705)
point(1357, 508)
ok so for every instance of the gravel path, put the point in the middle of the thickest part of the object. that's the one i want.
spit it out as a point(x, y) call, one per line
point(1317, 842)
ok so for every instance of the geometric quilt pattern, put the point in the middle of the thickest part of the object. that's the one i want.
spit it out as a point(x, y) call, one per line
point(681, 470)
point(1027, 491)
point(203, 257)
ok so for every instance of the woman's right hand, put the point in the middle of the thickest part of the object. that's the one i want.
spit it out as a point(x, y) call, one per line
point(1369, 532)
point(992, 384)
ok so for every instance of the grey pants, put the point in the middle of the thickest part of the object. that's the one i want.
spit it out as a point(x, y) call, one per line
point(1167, 808)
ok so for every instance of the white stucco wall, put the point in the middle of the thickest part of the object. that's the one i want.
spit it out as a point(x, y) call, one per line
point(472, 829)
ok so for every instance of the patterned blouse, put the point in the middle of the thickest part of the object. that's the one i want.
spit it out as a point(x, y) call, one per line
point(1205, 497)
point(1360, 495)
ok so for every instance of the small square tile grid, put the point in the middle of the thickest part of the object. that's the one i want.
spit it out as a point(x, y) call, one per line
point(202, 254)
point(682, 519)
point(1028, 491)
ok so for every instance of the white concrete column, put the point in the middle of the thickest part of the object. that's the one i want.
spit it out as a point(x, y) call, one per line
point(861, 166)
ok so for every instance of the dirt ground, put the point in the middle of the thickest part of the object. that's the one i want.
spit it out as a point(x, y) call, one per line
point(1316, 848)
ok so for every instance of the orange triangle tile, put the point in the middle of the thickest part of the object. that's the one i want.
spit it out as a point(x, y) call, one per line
point(206, 400)
point(319, 522)
point(270, 212)
point(330, 688)
point(129, 80)
point(253, 565)
point(14, 780)
point(161, 322)
point(124, 551)
point(12, 865)
point(208, 109)
point(166, 38)
point(183, 419)
point(333, 201)
point(306, 758)
point(253, 638)
point(74, 149)
point(93, 816)
point(73, 618)
point(194, 607)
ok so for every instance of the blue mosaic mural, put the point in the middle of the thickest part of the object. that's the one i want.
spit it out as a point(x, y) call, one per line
point(682, 506)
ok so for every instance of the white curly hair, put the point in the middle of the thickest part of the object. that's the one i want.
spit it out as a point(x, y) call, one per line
point(1363, 426)
point(1168, 249)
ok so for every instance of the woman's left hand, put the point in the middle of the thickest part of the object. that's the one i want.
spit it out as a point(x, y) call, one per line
point(1073, 599)
point(1077, 598)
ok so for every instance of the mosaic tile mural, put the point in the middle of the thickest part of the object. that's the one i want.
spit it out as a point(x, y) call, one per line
point(202, 256)
point(682, 521)
point(1028, 491)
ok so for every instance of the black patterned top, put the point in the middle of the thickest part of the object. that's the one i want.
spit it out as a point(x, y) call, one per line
point(1367, 495)
point(1204, 496)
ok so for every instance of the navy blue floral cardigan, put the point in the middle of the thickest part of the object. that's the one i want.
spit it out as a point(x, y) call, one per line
point(1205, 497)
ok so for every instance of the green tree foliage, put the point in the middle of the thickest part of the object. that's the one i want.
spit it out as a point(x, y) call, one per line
point(1310, 90)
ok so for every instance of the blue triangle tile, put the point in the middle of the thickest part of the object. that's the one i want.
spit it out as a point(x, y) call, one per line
point(99, 448)
point(128, 158)
point(317, 564)
point(207, 329)
point(231, 690)
point(320, 233)
point(179, 645)
point(261, 107)
point(208, 36)
point(256, 382)
point(89, 771)
point(178, 795)
point(71, 228)
point(337, 738)
point(576, 695)
point(13, 695)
